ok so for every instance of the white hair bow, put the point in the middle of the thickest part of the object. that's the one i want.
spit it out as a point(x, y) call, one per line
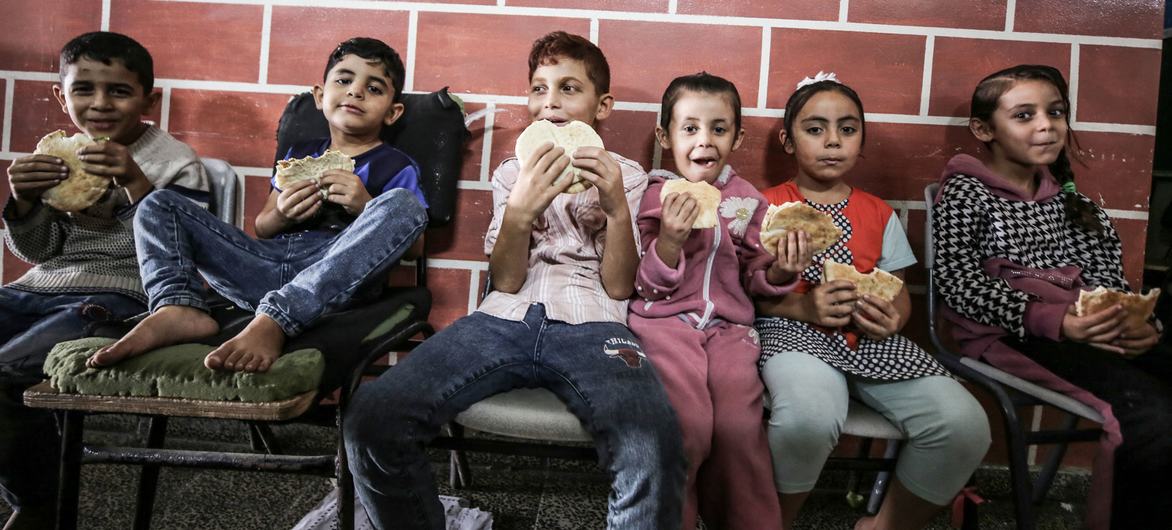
point(819, 77)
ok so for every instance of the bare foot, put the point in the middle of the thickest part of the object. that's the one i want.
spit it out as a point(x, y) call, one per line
point(254, 349)
point(168, 325)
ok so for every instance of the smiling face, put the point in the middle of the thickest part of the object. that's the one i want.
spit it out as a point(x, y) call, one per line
point(1028, 128)
point(104, 100)
point(562, 93)
point(827, 136)
point(358, 97)
point(701, 135)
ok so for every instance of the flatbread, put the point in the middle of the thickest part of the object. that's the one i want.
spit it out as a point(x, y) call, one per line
point(1136, 307)
point(570, 137)
point(704, 193)
point(877, 283)
point(780, 219)
point(293, 170)
point(80, 190)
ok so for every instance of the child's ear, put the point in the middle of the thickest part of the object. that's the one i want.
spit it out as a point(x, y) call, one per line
point(605, 106)
point(318, 91)
point(59, 93)
point(786, 142)
point(661, 135)
point(981, 129)
point(152, 100)
point(393, 114)
point(740, 138)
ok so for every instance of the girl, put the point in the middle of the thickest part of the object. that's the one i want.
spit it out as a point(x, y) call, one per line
point(823, 343)
point(1013, 230)
point(692, 313)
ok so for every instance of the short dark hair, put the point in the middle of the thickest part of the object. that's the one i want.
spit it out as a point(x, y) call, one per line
point(547, 50)
point(105, 47)
point(702, 82)
point(371, 50)
point(985, 100)
point(797, 101)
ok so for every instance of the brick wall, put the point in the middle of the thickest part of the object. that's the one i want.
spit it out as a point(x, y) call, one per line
point(226, 68)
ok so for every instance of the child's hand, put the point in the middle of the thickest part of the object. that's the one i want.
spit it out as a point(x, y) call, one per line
point(299, 202)
point(831, 304)
point(679, 212)
point(111, 159)
point(30, 176)
point(1097, 329)
point(793, 257)
point(1133, 342)
point(535, 188)
point(601, 170)
point(876, 317)
point(345, 188)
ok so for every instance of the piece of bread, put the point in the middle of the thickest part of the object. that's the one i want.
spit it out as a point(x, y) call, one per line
point(705, 194)
point(570, 137)
point(877, 283)
point(780, 219)
point(80, 190)
point(1136, 307)
point(294, 170)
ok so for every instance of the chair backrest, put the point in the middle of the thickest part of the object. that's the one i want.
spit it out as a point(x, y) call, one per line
point(431, 131)
point(224, 192)
point(930, 192)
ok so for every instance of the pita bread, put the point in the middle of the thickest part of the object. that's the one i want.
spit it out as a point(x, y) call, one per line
point(80, 190)
point(780, 219)
point(705, 194)
point(1136, 307)
point(293, 170)
point(570, 137)
point(877, 283)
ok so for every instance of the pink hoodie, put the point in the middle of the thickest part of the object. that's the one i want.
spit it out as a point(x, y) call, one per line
point(719, 268)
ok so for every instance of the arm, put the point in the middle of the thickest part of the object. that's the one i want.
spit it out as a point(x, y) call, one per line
point(620, 255)
point(828, 304)
point(764, 274)
point(662, 268)
point(283, 209)
point(33, 232)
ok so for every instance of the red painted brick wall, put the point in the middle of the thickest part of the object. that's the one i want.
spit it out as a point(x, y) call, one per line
point(226, 68)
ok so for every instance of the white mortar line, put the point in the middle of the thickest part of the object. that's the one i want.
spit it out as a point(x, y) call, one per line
point(458, 264)
point(843, 9)
point(412, 36)
point(926, 84)
point(105, 24)
point(17, 75)
point(474, 185)
point(763, 82)
point(9, 90)
point(1074, 79)
point(1010, 14)
point(594, 31)
point(165, 110)
point(265, 33)
point(672, 6)
point(486, 144)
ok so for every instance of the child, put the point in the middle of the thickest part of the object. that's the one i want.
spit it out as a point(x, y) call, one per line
point(1013, 230)
point(693, 313)
point(824, 344)
point(322, 251)
point(563, 266)
point(85, 263)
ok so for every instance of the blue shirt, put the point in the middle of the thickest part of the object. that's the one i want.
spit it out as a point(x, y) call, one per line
point(381, 169)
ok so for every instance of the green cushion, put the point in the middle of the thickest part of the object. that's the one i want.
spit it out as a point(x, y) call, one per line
point(178, 372)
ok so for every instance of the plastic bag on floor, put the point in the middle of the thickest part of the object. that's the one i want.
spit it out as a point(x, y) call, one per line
point(460, 515)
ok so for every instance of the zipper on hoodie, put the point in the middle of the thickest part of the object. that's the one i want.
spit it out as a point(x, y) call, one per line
point(708, 305)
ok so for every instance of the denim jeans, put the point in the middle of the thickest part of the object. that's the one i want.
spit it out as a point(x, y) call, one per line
point(293, 279)
point(597, 369)
point(31, 323)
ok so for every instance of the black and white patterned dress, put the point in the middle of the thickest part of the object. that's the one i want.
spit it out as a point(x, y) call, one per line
point(893, 359)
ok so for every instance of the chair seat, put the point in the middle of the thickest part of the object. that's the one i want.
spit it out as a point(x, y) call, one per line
point(1046, 395)
point(865, 422)
point(528, 413)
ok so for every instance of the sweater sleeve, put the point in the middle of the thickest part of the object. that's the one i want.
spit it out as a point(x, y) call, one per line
point(755, 260)
point(959, 224)
point(37, 237)
point(654, 280)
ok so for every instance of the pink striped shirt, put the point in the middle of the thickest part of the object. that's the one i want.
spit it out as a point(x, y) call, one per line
point(565, 252)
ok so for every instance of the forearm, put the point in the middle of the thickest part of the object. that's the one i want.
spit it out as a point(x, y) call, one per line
point(138, 189)
point(790, 306)
point(620, 257)
point(509, 262)
point(270, 223)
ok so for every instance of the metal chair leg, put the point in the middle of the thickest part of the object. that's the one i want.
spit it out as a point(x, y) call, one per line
point(882, 480)
point(1053, 460)
point(148, 478)
point(342, 469)
point(262, 439)
point(459, 474)
point(1019, 470)
point(69, 478)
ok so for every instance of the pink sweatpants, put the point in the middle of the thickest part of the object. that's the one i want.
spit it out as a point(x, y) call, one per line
point(711, 379)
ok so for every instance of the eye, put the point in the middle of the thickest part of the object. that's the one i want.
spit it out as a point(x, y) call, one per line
point(342, 81)
point(849, 129)
point(569, 89)
point(690, 129)
point(374, 89)
point(814, 130)
point(538, 89)
point(1057, 113)
point(720, 129)
point(1023, 116)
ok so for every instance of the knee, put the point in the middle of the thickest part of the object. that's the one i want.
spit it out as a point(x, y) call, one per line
point(400, 205)
point(373, 420)
point(959, 425)
point(795, 426)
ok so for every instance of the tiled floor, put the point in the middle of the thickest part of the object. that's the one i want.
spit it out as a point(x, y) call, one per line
point(522, 493)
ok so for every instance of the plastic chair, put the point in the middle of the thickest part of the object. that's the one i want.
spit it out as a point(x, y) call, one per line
point(1011, 392)
point(224, 191)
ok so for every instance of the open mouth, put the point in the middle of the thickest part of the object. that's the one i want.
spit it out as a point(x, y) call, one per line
point(706, 162)
point(102, 125)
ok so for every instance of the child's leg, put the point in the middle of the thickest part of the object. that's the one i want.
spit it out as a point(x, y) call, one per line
point(808, 402)
point(29, 448)
point(736, 482)
point(677, 351)
point(35, 322)
point(391, 419)
point(948, 435)
point(374, 242)
point(598, 371)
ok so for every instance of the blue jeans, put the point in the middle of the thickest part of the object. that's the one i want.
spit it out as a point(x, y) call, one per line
point(597, 369)
point(293, 279)
point(30, 324)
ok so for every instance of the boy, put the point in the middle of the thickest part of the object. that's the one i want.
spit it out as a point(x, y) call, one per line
point(320, 251)
point(85, 261)
point(563, 267)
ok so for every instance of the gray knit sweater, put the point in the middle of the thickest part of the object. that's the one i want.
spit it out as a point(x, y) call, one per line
point(92, 251)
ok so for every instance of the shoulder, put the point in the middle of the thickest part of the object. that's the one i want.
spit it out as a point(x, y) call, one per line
point(306, 148)
point(633, 173)
point(391, 159)
point(780, 193)
point(872, 202)
point(965, 186)
point(159, 144)
point(740, 187)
